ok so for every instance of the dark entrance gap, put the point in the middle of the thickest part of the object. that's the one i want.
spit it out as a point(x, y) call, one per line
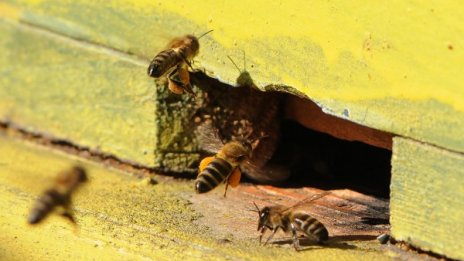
point(321, 150)
point(320, 160)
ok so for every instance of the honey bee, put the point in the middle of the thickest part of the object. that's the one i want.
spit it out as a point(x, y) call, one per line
point(285, 218)
point(176, 60)
point(244, 78)
point(59, 195)
point(224, 166)
point(242, 111)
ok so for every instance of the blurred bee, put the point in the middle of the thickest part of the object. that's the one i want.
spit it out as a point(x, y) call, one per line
point(285, 218)
point(59, 195)
point(224, 166)
point(175, 61)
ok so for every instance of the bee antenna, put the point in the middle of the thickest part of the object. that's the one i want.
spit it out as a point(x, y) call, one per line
point(256, 141)
point(257, 208)
point(234, 64)
point(244, 60)
point(205, 34)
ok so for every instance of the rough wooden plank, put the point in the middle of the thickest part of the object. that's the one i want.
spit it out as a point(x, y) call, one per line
point(95, 100)
point(94, 97)
point(395, 69)
point(122, 218)
point(427, 197)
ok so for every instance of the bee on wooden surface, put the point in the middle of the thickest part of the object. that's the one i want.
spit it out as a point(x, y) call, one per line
point(224, 166)
point(289, 220)
point(234, 113)
point(59, 195)
point(175, 61)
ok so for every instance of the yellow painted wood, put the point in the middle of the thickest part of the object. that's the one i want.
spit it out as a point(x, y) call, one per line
point(427, 197)
point(84, 96)
point(91, 96)
point(396, 69)
point(121, 218)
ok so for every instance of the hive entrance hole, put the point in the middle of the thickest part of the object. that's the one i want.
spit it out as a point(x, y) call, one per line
point(351, 156)
point(321, 150)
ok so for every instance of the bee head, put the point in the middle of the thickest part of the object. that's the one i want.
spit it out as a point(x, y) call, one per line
point(194, 44)
point(247, 148)
point(237, 151)
point(80, 173)
point(244, 77)
point(263, 216)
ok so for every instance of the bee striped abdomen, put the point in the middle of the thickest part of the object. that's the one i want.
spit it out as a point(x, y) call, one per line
point(162, 62)
point(212, 175)
point(311, 227)
point(44, 205)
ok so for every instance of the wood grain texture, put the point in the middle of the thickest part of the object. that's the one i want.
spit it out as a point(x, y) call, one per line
point(395, 69)
point(91, 96)
point(427, 197)
point(122, 218)
point(311, 116)
point(81, 95)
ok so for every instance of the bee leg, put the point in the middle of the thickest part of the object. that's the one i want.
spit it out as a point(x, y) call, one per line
point(263, 230)
point(296, 242)
point(187, 62)
point(225, 190)
point(174, 76)
point(272, 235)
point(67, 214)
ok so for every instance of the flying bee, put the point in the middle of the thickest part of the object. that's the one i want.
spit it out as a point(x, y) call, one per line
point(285, 218)
point(175, 61)
point(224, 166)
point(59, 195)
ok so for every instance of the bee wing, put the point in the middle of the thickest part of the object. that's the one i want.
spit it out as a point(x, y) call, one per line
point(308, 200)
point(176, 42)
point(269, 173)
point(208, 138)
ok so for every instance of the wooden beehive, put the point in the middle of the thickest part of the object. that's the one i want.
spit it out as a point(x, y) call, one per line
point(76, 70)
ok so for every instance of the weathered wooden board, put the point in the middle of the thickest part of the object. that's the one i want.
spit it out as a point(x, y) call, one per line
point(427, 197)
point(93, 97)
point(395, 69)
point(121, 218)
point(95, 100)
